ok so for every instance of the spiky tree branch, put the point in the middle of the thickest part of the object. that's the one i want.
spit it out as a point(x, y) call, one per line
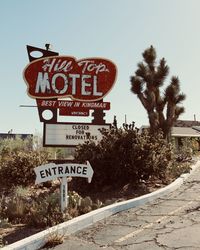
point(162, 110)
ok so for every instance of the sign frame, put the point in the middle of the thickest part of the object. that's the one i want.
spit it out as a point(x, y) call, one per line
point(68, 123)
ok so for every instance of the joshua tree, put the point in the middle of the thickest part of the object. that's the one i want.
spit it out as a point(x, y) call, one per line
point(163, 109)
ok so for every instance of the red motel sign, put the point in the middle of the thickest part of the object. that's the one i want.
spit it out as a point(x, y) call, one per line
point(87, 79)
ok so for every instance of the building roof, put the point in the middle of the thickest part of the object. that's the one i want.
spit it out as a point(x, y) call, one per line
point(186, 123)
point(183, 128)
point(185, 132)
point(14, 136)
point(196, 128)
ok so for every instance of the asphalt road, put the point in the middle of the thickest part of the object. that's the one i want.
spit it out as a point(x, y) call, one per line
point(170, 222)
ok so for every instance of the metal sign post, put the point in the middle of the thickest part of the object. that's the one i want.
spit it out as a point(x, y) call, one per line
point(63, 194)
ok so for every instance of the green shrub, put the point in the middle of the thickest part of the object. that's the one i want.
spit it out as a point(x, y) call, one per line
point(16, 144)
point(79, 205)
point(16, 168)
point(42, 209)
point(14, 210)
point(178, 168)
point(185, 151)
point(53, 240)
point(45, 211)
point(124, 155)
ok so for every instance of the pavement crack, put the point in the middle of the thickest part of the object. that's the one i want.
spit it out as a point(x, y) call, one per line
point(178, 199)
point(121, 224)
point(194, 181)
point(190, 210)
point(186, 247)
point(165, 247)
point(134, 243)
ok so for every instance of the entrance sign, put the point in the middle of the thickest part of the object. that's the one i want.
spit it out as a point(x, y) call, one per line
point(71, 134)
point(52, 171)
point(87, 79)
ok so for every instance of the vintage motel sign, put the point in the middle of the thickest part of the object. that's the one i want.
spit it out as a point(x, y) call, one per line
point(88, 79)
point(67, 86)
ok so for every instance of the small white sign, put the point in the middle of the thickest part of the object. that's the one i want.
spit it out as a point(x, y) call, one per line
point(71, 134)
point(52, 171)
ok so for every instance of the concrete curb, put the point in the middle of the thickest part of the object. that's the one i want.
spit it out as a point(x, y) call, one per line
point(38, 240)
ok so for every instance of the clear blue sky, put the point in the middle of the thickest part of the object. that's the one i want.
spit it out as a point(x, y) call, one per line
point(119, 30)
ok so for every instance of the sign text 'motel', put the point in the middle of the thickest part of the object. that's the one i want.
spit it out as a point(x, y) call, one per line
point(87, 79)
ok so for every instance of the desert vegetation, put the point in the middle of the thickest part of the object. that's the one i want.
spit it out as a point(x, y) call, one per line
point(124, 156)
